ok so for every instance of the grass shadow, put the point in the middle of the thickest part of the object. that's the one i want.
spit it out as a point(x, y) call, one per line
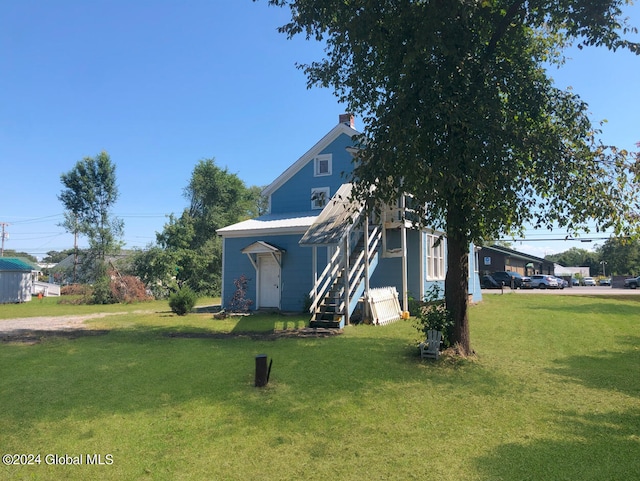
point(606, 370)
point(144, 368)
point(593, 447)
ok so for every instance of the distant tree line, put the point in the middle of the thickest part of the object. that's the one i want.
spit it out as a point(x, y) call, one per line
point(617, 256)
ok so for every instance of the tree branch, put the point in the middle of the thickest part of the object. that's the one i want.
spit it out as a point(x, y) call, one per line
point(514, 9)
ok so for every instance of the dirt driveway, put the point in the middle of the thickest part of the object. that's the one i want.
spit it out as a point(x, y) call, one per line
point(31, 329)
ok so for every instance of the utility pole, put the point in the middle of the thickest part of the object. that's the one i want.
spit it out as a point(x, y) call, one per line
point(604, 263)
point(5, 235)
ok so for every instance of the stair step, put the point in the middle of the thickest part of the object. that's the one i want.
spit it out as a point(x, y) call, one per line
point(325, 323)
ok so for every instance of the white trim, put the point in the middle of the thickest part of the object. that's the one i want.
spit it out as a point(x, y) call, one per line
point(223, 271)
point(316, 150)
point(265, 232)
point(436, 258)
point(423, 274)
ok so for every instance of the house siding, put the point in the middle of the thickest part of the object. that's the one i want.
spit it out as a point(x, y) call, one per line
point(295, 195)
point(389, 270)
point(290, 196)
point(474, 279)
point(295, 275)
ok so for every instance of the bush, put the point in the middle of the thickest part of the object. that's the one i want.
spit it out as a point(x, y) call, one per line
point(183, 301)
point(239, 301)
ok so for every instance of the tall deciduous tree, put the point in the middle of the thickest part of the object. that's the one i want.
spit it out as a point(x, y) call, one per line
point(622, 256)
point(459, 111)
point(188, 249)
point(89, 194)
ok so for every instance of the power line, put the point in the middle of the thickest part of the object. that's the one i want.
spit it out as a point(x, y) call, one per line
point(551, 239)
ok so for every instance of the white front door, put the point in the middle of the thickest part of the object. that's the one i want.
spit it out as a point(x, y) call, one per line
point(268, 282)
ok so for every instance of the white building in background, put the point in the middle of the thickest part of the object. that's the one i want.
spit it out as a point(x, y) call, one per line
point(16, 280)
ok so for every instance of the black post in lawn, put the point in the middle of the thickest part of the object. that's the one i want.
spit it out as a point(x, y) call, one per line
point(262, 371)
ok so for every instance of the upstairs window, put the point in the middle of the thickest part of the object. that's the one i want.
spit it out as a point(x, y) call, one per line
point(319, 197)
point(322, 165)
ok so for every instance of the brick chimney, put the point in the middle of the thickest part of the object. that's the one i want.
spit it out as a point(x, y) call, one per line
point(347, 119)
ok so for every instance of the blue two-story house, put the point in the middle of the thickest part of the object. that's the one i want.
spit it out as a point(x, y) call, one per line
point(316, 249)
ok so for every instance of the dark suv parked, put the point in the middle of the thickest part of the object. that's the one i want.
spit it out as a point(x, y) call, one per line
point(507, 277)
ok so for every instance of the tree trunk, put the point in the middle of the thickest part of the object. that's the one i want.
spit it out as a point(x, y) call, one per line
point(456, 291)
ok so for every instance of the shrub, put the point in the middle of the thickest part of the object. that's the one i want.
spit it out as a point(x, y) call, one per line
point(182, 302)
point(434, 315)
point(414, 305)
point(239, 301)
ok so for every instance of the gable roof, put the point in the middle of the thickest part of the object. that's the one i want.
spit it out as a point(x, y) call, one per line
point(261, 247)
point(322, 144)
point(14, 264)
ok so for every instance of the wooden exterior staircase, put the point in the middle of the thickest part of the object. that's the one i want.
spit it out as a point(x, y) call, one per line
point(355, 246)
point(338, 289)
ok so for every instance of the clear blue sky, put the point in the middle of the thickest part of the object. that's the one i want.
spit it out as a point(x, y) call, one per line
point(162, 84)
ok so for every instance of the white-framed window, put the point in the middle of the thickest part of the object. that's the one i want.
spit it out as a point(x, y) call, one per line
point(435, 257)
point(322, 165)
point(319, 197)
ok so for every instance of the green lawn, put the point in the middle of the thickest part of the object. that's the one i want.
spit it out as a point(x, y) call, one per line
point(553, 394)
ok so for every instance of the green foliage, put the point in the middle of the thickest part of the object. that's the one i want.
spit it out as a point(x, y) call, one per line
point(21, 255)
point(183, 301)
point(622, 256)
point(89, 194)
point(101, 292)
point(54, 257)
point(239, 301)
point(575, 257)
point(460, 111)
point(188, 248)
point(433, 315)
point(543, 394)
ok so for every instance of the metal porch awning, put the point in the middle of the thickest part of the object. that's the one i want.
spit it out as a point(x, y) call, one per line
point(335, 220)
point(261, 247)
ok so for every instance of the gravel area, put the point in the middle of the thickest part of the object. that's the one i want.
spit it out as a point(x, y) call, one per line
point(33, 329)
point(48, 323)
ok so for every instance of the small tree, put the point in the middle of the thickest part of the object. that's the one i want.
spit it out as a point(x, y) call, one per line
point(183, 301)
point(433, 314)
point(239, 301)
point(89, 195)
